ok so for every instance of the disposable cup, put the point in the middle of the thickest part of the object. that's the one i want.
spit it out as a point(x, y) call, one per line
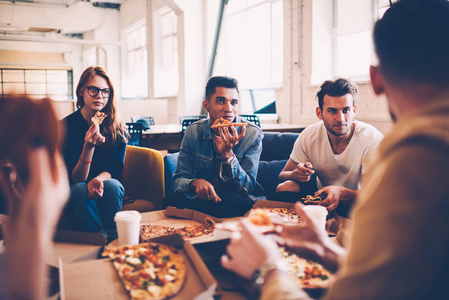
point(128, 225)
point(317, 212)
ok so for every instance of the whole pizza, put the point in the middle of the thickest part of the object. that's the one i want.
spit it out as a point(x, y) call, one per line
point(149, 270)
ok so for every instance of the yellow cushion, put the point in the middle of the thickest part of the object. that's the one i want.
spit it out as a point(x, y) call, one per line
point(140, 205)
point(143, 178)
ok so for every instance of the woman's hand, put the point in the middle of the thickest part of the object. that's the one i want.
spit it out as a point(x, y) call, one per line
point(93, 136)
point(95, 188)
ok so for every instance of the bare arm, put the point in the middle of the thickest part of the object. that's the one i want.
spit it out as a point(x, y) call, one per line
point(92, 139)
point(296, 172)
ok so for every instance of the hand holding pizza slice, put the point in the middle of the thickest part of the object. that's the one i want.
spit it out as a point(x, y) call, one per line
point(98, 118)
point(220, 123)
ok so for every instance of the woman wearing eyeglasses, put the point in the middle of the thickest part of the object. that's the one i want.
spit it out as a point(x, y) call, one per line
point(94, 155)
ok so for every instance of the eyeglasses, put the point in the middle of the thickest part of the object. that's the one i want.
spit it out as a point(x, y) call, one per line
point(93, 91)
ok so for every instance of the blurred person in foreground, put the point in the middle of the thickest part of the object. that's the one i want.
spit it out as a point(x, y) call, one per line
point(400, 243)
point(34, 182)
point(94, 154)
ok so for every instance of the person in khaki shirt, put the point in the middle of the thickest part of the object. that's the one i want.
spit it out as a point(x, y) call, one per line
point(400, 243)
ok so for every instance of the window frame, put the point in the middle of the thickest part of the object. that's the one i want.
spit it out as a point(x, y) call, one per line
point(129, 68)
point(377, 8)
point(46, 82)
point(165, 80)
point(222, 66)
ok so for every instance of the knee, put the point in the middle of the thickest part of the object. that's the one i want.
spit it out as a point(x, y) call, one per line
point(114, 187)
point(288, 186)
point(78, 190)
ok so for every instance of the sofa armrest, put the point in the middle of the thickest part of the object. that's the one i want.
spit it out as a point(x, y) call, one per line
point(268, 176)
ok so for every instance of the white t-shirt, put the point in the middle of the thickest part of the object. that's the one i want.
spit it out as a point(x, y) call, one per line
point(343, 169)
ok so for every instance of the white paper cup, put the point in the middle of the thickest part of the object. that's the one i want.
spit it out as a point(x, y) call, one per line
point(128, 226)
point(317, 212)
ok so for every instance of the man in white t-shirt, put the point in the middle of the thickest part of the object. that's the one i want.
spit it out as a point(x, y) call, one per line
point(329, 157)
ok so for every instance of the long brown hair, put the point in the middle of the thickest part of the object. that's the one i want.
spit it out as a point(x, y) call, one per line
point(24, 124)
point(112, 127)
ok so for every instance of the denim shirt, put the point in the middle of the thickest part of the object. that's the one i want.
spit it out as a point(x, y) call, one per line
point(199, 159)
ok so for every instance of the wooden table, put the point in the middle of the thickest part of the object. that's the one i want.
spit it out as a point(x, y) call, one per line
point(163, 137)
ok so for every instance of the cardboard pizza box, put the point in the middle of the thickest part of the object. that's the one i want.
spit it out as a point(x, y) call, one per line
point(79, 237)
point(273, 204)
point(177, 217)
point(97, 279)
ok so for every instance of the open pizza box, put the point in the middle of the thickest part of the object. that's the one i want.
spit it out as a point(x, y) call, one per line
point(97, 279)
point(178, 217)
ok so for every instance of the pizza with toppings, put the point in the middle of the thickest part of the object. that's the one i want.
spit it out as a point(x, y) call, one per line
point(219, 123)
point(265, 219)
point(308, 273)
point(98, 118)
point(148, 231)
point(149, 270)
point(287, 214)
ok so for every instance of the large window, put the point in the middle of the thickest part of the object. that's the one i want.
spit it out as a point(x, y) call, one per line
point(135, 79)
point(37, 83)
point(251, 43)
point(166, 74)
point(342, 38)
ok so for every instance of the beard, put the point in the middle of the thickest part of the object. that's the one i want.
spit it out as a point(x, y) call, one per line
point(329, 128)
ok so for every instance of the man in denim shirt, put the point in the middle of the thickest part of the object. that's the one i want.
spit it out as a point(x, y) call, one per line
point(217, 168)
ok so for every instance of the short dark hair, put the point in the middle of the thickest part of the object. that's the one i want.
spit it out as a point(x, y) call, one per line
point(336, 88)
point(221, 81)
point(412, 42)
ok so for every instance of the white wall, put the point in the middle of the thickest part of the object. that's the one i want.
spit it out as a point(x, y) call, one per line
point(295, 100)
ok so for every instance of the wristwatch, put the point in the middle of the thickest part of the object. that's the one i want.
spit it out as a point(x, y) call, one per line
point(262, 272)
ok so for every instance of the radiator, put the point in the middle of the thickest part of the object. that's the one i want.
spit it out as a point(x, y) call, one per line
point(381, 124)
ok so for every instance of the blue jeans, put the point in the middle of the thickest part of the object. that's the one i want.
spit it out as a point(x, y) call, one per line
point(96, 215)
point(232, 204)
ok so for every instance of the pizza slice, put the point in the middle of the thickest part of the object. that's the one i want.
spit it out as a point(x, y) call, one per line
point(311, 200)
point(286, 214)
point(148, 231)
point(220, 123)
point(149, 270)
point(98, 118)
point(259, 217)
